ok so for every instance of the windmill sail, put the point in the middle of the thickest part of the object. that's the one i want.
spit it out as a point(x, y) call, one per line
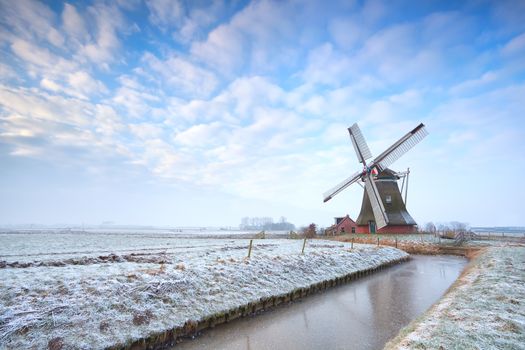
point(399, 148)
point(341, 186)
point(358, 141)
point(377, 204)
point(373, 208)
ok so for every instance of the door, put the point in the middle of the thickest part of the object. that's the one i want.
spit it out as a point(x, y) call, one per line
point(372, 227)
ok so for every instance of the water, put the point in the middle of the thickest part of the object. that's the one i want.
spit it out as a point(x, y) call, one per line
point(363, 314)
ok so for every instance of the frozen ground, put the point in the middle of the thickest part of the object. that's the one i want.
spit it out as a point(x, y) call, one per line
point(485, 309)
point(427, 243)
point(95, 290)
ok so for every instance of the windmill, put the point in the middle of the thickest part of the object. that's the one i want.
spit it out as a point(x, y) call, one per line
point(383, 204)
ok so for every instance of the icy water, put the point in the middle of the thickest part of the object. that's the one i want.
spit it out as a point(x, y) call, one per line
point(363, 314)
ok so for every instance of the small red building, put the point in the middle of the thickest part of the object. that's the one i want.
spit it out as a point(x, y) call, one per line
point(345, 224)
point(342, 225)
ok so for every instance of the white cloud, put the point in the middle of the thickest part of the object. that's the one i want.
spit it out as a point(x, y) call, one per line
point(259, 108)
point(40, 57)
point(129, 4)
point(234, 104)
point(83, 83)
point(406, 98)
point(252, 91)
point(347, 32)
point(137, 103)
point(182, 76)
point(74, 24)
point(400, 53)
point(7, 72)
point(454, 29)
point(258, 38)
point(469, 85)
point(165, 12)
point(198, 20)
point(39, 105)
point(373, 11)
point(104, 48)
point(31, 19)
point(50, 85)
point(515, 46)
point(147, 131)
point(200, 135)
point(78, 84)
point(186, 22)
point(59, 129)
point(107, 121)
point(327, 66)
point(31, 22)
point(223, 49)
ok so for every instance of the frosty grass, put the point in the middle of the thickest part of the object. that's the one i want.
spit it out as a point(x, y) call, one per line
point(97, 290)
point(485, 310)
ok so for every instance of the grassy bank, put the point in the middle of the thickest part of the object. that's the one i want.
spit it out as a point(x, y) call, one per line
point(152, 289)
point(484, 309)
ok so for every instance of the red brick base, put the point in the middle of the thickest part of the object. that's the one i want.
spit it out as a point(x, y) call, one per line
point(389, 229)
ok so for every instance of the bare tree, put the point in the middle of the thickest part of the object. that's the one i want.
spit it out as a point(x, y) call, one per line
point(444, 230)
point(430, 228)
point(458, 226)
point(310, 231)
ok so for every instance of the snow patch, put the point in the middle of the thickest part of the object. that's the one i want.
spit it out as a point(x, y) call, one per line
point(108, 301)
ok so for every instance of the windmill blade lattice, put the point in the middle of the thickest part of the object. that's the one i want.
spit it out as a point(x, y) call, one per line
point(358, 141)
point(400, 147)
point(376, 202)
point(342, 185)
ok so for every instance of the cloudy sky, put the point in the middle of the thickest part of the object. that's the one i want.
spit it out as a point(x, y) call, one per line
point(201, 112)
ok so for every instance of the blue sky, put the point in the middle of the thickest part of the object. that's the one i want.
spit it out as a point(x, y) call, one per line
point(201, 112)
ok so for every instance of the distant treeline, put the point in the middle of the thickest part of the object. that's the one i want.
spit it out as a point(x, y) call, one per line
point(265, 223)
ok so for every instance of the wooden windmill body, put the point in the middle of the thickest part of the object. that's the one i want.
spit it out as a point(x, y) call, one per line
point(383, 209)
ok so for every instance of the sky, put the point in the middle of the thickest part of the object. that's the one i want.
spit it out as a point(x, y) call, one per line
point(199, 113)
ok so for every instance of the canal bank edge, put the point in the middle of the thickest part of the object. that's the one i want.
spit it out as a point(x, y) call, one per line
point(190, 328)
point(483, 309)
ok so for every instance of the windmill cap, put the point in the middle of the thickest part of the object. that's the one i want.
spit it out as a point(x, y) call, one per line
point(388, 174)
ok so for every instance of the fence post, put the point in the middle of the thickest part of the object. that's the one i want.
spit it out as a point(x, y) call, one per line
point(378, 241)
point(352, 247)
point(304, 243)
point(396, 242)
point(250, 248)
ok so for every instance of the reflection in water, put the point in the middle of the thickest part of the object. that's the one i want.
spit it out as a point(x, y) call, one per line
point(305, 320)
point(363, 314)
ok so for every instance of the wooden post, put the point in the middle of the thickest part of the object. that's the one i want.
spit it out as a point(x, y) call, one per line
point(396, 242)
point(352, 246)
point(378, 241)
point(304, 243)
point(250, 248)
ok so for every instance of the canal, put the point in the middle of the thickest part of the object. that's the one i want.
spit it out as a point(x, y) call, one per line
point(363, 314)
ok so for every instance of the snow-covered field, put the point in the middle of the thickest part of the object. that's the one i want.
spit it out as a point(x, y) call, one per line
point(484, 310)
point(98, 290)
